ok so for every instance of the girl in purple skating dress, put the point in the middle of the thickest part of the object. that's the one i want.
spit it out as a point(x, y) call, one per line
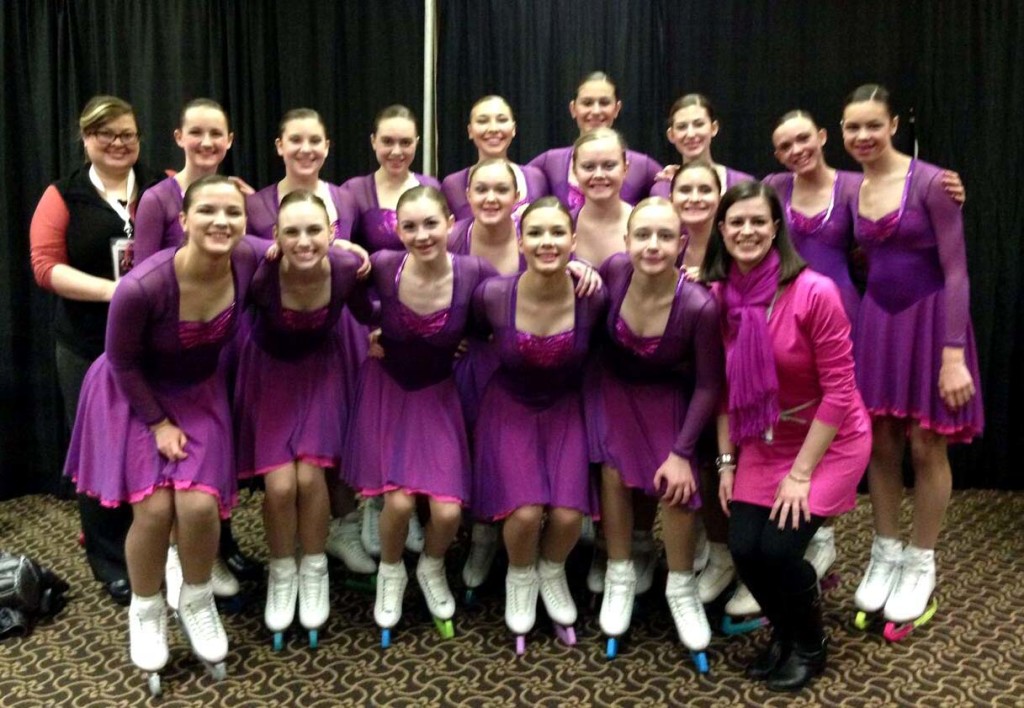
point(303, 145)
point(596, 105)
point(407, 434)
point(655, 389)
point(205, 137)
point(917, 366)
point(394, 140)
point(492, 128)
point(289, 385)
point(692, 127)
point(154, 423)
point(492, 235)
point(599, 164)
point(530, 455)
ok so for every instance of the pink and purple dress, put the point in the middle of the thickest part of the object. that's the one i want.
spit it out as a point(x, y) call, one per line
point(262, 209)
point(291, 375)
point(824, 240)
point(917, 302)
point(530, 441)
point(810, 341)
point(157, 225)
point(478, 363)
point(649, 396)
point(556, 164)
point(407, 429)
point(455, 185)
point(732, 177)
point(157, 367)
point(374, 227)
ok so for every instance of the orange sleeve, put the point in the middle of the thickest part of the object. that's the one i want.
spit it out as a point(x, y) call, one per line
point(48, 235)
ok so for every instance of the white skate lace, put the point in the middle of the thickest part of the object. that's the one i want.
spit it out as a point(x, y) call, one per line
point(281, 592)
point(620, 585)
point(153, 621)
point(389, 590)
point(879, 569)
point(311, 589)
point(201, 618)
point(436, 585)
point(558, 591)
point(519, 595)
point(685, 608)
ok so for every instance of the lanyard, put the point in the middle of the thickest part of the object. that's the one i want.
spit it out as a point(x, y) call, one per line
point(120, 209)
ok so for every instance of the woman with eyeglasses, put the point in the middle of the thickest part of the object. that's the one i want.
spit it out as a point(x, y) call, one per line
point(81, 242)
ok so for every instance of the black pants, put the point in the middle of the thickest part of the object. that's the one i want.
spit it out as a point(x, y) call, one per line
point(769, 560)
point(104, 528)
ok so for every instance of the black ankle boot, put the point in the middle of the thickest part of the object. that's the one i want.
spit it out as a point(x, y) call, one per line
point(802, 664)
point(777, 651)
point(810, 645)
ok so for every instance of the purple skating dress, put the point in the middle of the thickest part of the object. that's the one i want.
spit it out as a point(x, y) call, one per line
point(824, 240)
point(262, 209)
point(530, 442)
point(291, 376)
point(455, 185)
point(649, 396)
point(917, 302)
point(732, 177)
point(407, 429)
point(374, 227)
point(156, 367)
point(156, 220)
point(556, 163)
point(478, 363)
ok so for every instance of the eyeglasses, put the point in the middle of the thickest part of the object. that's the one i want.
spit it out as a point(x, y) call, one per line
point(105, 137)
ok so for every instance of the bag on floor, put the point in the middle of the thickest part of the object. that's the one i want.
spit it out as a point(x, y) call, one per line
point(28, 592)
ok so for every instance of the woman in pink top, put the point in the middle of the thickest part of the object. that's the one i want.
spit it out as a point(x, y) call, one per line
point(796, 436)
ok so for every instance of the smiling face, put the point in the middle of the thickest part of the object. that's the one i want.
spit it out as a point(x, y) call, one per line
point(394, 144)
point(600, 168)
point(867, 130)
point(798, 145)
point(491, 127)
point(692, 131)
point(595, 106)
point(215, 220)
point(303, 234)
point(547, 240)
point(653, 241)
point(204, 137)
point(303, 146)
point(492, 193)
point(748, 231)
point(695, 195)
point(423, 229)
point(106, 146)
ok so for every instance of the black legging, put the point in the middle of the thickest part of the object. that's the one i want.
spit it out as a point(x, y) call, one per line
point(769, 560)
point(104, 528)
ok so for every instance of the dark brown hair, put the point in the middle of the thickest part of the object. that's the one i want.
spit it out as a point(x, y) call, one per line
point(717, 260)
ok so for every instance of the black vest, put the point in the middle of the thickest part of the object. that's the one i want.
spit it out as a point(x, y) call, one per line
point(92, 224)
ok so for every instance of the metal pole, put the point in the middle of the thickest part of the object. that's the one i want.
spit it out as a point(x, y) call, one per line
point(429, 69)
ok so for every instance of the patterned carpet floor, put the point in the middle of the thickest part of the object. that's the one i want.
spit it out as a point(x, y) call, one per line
point(971, 654)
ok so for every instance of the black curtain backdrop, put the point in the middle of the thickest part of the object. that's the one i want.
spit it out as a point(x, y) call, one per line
point(258, 58)
point(955, 66)
point(956, 69)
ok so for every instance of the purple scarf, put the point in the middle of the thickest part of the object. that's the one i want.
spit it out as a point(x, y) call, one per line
point(749, 362)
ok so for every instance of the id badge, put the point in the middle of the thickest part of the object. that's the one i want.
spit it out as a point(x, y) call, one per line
point(122, 250)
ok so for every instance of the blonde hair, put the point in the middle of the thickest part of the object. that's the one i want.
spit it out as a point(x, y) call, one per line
point(103, 109)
